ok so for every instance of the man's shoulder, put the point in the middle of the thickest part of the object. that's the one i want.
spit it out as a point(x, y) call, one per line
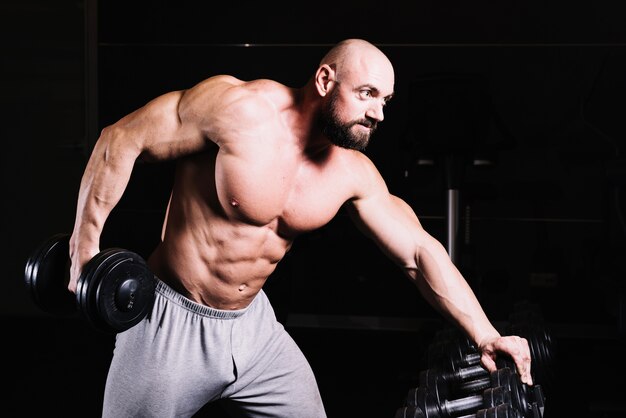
point(354, 159)
point(225, 103)
point(223, 95)
point(258, 95)
point(360, 170)
point(237, 88)
point(264, 92)
point(353, 165)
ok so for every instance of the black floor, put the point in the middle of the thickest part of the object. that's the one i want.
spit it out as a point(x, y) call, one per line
point(58, 368)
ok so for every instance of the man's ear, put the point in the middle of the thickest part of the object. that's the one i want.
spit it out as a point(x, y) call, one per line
point(324, 79)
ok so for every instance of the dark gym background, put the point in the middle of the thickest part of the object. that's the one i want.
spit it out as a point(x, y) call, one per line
point(544, 222)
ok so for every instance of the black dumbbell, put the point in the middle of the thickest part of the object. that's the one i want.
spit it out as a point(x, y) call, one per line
point(500, 411)
point(464, 361)
point(524, 398)
point(435, 404)
point(114, 292)
point(526, 322)
point(456, 378)
point(463, 353)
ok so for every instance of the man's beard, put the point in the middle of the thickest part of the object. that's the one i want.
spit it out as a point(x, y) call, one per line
point(342, 134)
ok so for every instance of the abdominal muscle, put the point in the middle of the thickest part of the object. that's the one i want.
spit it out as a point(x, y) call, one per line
point(208, 253)
point(222, 266)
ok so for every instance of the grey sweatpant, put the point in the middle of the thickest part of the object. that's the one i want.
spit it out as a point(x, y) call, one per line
point(184, 355)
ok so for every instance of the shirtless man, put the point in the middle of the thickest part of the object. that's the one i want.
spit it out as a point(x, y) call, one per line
point(258, 164)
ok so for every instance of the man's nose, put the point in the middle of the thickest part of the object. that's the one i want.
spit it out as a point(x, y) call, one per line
point(376, 113)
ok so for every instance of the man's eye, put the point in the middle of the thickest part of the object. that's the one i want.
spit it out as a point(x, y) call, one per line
point(366, 93)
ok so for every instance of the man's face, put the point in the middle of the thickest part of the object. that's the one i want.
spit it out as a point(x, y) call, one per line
point(354, 108)
point(352, 134)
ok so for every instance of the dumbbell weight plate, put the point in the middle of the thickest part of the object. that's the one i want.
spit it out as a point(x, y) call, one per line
point(115, 290)
point(85, 288)
point(127, 294)
point(47, 275)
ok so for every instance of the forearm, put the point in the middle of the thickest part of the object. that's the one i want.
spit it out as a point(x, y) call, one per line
point(443, 286)
point(102, 186)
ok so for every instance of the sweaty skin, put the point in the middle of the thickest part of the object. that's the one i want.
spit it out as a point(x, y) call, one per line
point(259, 163)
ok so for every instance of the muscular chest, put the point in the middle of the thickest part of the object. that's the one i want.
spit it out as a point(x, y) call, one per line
point(275, 186)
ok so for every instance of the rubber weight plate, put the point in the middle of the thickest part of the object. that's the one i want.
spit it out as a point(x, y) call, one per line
point(86, 288)
point(47, 275)
point(126, 293)
point(117, 290)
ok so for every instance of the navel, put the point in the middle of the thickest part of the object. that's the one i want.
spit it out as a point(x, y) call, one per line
point(243, 287)
point(234, 203)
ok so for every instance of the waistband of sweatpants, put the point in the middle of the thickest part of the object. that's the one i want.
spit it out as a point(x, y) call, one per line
point(163, 289)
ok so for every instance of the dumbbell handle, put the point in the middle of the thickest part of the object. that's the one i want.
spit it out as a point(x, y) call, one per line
point(462, 405)
point(489, 398)
point(461, 375)
point(474, 386)
point(470, 359)
point(432, 406)
point(459, 359)
point(478, 385)
point(470, 372)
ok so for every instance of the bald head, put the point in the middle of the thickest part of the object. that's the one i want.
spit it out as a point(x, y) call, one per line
point(352, 53)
